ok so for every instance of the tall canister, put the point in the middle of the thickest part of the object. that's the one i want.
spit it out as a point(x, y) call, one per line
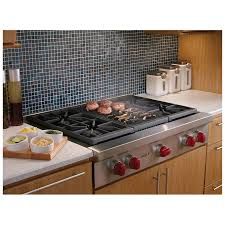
point(173, 76)
point(185, 74)
point(15, 98)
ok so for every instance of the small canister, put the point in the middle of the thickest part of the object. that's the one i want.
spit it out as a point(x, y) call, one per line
point(173, 76)
point(185, 74)
point(157, 83)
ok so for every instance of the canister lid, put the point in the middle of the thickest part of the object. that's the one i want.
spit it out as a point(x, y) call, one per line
point(14, 74)
point(168, 67)
point(162, 74)
point(182, 63)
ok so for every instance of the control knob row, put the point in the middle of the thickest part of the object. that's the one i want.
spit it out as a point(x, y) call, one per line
point(119, 167)
point(190, 140)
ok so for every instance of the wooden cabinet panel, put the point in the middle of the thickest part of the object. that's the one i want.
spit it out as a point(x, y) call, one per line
point(186, 173)
point(214, 188)
point(74, 180)
point(9, 36)
point(213, 163)
point(215, 131)
point(9, 39)
point(204, 51)
point(144, 182)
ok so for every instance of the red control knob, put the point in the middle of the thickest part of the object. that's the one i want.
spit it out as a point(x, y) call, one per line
point(200, 137)
point(119, 168)
point(164, 151)
point(134, 163)
point(190, 141)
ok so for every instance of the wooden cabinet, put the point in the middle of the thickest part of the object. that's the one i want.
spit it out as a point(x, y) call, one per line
point(215, 188)
point(215, 130)
point(73, 180)
point(186, 173)
point(9, 39)
point(182, 175)
point(204, 51)
point(144, 182)
point(213, 175)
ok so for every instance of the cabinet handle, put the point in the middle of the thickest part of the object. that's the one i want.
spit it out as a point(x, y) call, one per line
point(54, 183)
point(219, 124)
point(218, 148)
point(217, 187)
point(158, 182)
point(167, 177)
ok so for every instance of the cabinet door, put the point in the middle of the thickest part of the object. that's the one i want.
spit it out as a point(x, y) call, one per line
point(74, 180)
point(215, 131)
point(215, 188)
point(214, 163)
point(185, 174)
point(145, 182)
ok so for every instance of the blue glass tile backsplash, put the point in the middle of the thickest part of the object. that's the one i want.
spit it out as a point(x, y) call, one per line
point(64, 68)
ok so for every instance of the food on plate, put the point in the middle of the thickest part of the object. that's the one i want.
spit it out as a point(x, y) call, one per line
point(28, 130)
point(105, 110)
point(91, 105)
point(105, 103)
point(118, 106)
point(42, 141)
point(16, 139)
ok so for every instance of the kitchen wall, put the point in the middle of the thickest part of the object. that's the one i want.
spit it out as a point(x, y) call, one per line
point(65, 68)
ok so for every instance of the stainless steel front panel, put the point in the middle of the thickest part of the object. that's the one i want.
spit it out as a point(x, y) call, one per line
point(144, 137)
point(147, 155)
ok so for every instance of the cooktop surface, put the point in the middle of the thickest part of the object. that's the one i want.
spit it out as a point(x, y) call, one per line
point(91, 127)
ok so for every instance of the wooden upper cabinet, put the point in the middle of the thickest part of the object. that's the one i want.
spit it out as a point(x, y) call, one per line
point(9, 39)
point(204, 51)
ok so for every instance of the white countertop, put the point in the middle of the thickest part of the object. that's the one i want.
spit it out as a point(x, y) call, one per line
point(203, 101)
point(15, 170)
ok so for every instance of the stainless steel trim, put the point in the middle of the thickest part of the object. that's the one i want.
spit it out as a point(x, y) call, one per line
point(167, 178)
point(158, 182)
point(176, 78)
point(54, 183)
point(188, 77)
point(217, 187)
point(219, 124)
point(4, 77)
point(218, 148)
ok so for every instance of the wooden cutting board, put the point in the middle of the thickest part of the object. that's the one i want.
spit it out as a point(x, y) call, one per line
point(28, 154)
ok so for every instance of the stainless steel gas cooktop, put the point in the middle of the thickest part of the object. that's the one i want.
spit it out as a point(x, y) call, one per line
point(92, 128)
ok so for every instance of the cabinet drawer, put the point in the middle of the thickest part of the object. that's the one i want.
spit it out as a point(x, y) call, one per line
point(74, 180)
point(215, 131)
point(213, 163)
point(214, 188)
